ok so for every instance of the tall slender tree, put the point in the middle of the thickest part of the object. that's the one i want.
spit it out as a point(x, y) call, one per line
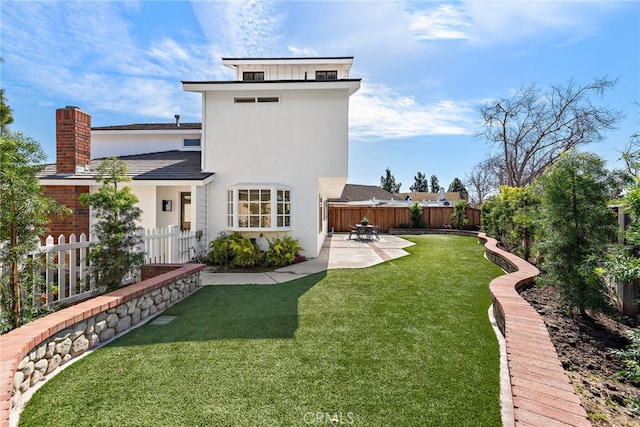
point(457, 186)
point(435, 185)
point(24, 215)
point(388, 182)
point(577, 227)
point(6, 115)
point(420, 184)
point(118, 236)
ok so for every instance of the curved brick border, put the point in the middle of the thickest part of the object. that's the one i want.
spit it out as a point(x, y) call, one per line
point(17, 344)
point(543, 394)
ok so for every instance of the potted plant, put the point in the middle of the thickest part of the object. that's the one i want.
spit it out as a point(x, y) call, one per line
point(364, 221)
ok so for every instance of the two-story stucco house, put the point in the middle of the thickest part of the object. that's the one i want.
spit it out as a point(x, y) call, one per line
point(272, 148)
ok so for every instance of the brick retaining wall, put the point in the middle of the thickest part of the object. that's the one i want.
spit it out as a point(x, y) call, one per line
point(543, 394)
point(37, 349)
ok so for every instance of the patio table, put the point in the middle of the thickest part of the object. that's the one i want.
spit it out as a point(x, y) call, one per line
point(366, 232)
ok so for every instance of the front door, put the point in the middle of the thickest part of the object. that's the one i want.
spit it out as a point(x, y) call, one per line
point(185, 211)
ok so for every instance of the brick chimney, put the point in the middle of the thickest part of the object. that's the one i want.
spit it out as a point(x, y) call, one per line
point(73, 153)
point(73, 140)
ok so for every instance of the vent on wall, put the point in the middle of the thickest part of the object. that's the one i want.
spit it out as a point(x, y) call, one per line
point(251, 100)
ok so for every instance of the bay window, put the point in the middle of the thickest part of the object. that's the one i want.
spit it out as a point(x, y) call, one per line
point(265, 207)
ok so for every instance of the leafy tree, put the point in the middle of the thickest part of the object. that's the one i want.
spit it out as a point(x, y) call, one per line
point(24, 215)
point(459, 215)
point(457, 186)
point(617, 181)
point(512, 218)
point(631, 156)
point(116, 252)
point(6, 116)
point(532, 129)
point(420, 184)
point(388, 182)
point(435, 185)
point(577, 228)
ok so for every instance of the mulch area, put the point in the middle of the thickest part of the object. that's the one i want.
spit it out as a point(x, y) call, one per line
point(584, 347)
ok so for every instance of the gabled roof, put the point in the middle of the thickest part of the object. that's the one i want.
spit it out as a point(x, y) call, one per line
point(162, 166)
point(151, 126)
point(358, 193)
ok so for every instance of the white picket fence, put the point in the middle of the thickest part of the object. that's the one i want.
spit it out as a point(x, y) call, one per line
point(66, 276)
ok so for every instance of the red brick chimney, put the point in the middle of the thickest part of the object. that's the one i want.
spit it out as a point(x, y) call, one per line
point(73, 153)
point(73, 140)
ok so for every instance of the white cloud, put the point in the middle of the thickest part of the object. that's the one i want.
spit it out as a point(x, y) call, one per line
point(441, 22)
point(301, 51)
point(499, 22)
point(378, 113)
point(241, 28)
point(86, 53)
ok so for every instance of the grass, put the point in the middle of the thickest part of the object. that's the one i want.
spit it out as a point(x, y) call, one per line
point(404, 343)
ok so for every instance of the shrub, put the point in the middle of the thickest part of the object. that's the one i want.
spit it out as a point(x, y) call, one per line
point(416, 216)
point(233, 251)
point(459, 215)
point(282, 251)
point(630, 357)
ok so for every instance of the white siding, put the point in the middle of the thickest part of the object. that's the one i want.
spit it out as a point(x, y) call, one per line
point(118, 143)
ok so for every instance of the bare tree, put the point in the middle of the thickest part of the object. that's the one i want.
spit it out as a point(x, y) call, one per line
point(482, 181)
point(531, 129)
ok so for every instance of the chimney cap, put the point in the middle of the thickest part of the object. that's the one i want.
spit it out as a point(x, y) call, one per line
point(72, 106)
point(177, 116)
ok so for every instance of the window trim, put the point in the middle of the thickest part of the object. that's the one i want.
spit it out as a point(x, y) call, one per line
point(190, 145)
point(253, 75)
point(325, 73)
point(234, 212)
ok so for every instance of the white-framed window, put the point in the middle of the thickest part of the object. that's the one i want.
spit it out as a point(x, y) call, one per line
point(259, 207)
point(191, 142)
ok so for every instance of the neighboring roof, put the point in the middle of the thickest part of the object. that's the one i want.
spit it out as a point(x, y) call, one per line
point(163, 166)
point(151, 126)
point(429, 197)
point(358, 193)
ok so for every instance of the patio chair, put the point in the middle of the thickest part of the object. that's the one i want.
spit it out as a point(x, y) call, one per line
point(199, 250)
point(375, 231)
point(354, 232)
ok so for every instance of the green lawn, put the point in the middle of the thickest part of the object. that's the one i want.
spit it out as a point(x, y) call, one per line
point(404, 343)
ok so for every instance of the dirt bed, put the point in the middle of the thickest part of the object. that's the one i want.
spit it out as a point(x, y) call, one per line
point(584, 347)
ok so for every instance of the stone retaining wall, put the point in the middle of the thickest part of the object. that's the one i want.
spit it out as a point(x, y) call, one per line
point(39, 348)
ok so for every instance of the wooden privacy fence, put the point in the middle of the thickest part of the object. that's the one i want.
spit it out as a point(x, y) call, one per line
point(386, 217)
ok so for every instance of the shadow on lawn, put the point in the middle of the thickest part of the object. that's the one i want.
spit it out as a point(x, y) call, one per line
point(230, 312)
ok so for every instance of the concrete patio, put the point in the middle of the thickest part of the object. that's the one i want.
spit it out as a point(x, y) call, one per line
point(338, 252)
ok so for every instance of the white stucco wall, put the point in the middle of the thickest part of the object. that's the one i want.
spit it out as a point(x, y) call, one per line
point(167, 218)
point(293, 142)
point(148, 202)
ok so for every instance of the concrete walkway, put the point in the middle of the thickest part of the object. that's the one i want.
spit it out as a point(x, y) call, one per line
point(337, 252)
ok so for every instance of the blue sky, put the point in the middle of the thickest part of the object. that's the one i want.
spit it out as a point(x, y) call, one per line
point(425, 66)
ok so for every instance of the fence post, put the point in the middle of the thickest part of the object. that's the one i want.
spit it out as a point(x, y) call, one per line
point(175, 244)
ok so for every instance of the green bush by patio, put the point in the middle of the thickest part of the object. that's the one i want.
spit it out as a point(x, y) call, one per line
point(404, 343)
